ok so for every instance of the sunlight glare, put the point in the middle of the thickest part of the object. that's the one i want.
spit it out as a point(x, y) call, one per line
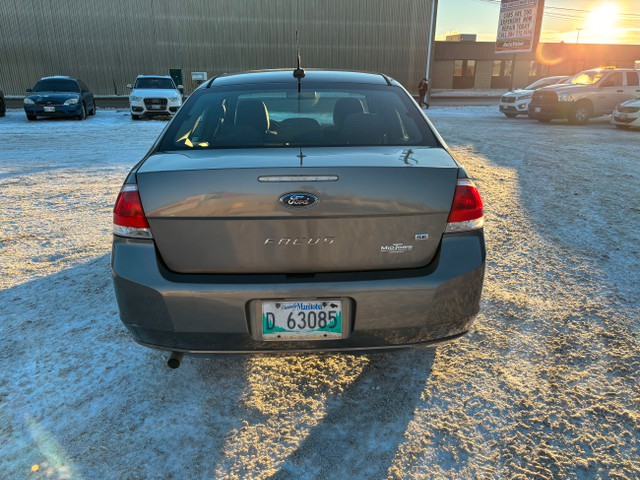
point(601, 24)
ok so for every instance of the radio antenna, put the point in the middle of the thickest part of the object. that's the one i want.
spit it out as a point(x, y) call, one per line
point(298, 72)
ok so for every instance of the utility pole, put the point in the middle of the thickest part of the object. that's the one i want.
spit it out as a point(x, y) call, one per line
point(578, 38)
point(432, 40)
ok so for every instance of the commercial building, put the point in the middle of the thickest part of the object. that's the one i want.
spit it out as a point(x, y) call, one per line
point(108, 43)
point(475, 65)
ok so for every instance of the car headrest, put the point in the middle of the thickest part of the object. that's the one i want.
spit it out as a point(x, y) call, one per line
point(344, 107)
point(252, 113)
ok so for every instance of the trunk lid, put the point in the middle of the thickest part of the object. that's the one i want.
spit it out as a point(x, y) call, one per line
point(219, 211)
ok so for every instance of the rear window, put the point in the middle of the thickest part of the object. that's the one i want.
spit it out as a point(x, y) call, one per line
point(280, 116)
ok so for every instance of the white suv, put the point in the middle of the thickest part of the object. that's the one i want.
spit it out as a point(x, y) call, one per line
point(154, 95)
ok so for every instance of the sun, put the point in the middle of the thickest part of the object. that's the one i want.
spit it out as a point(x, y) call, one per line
point(602, 24)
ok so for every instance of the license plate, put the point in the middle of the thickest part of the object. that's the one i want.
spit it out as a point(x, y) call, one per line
point(302, 320)
point(49, 109)
point(537, 109)
point(155, 107)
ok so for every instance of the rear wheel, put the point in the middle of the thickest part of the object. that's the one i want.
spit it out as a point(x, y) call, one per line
point(580, 114)
point(83, 113)
point(511, 115)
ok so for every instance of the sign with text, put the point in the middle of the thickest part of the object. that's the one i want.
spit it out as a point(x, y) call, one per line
point(519, 25)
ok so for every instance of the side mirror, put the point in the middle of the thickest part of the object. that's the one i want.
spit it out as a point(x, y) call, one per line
point(181, 88)
point(29, 90)
point(129, 86)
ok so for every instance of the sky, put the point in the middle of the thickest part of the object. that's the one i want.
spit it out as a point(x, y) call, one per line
point(599, 21)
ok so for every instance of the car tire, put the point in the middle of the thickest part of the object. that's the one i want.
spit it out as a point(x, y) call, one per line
point(136, 117)
point(580, 113)
point(3, 108)
point(511, 115)
point(83, 114)
point(543, 120)
point(93, 109)
point(31, 118)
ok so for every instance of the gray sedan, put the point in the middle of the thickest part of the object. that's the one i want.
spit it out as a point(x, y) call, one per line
point(281, 212)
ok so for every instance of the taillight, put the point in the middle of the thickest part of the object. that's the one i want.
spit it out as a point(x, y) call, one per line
point(129, 219)
point(466, 211)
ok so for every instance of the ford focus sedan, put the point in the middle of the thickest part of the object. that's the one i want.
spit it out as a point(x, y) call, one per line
point(316, 213)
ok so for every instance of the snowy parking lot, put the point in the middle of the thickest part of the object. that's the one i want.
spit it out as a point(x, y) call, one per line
point(545, 385)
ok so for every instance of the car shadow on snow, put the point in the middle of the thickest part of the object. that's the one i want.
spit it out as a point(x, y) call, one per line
point(322, 415)
point(365, 426)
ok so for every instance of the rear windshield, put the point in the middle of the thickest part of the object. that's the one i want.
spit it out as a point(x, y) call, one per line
point(56, 86)
point(162, 83)
point(279, 116)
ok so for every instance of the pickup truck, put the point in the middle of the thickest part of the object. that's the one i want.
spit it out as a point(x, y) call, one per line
point(588, 94)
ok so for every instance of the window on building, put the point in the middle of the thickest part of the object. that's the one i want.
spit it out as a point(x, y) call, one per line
point(470, 69)
point(537, 71)
point(457, 68)
point(464, 73)
point(497, 68)
point(501, 74)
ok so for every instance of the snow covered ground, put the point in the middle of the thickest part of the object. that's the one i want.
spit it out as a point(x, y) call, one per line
point(546, 385)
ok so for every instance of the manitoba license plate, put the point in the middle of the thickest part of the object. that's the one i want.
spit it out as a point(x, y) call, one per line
point(302, 320)
point(49, 109)
point(537, 109)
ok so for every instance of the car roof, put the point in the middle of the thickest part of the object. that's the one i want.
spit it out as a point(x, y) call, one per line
point(153, 76)
point(59, 77)
point(311, 75)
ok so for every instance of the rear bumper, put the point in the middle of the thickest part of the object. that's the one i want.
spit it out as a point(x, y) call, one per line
point(216, 313)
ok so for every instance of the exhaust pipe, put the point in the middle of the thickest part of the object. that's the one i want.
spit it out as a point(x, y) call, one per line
point(175, 359)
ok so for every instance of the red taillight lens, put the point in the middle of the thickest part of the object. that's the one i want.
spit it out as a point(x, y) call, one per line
point(466, 211)
point(128, 210)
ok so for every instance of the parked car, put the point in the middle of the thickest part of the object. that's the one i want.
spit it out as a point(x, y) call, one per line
point(59, 97)
point(284, 214)
point(516, 102)
point(627, 114)
point(3, 106)
point(154, 95)
point(588, 94)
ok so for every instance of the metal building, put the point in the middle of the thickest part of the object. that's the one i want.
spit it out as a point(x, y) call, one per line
point(108, 43)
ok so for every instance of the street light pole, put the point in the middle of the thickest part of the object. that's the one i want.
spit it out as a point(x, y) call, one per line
point(578, 38)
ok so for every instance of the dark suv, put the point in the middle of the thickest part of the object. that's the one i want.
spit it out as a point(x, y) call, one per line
point(59, 97)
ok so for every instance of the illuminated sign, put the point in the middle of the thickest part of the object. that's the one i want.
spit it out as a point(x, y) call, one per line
point(519, 25)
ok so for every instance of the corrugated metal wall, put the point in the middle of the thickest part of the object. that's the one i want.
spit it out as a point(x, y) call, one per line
point(108, 43)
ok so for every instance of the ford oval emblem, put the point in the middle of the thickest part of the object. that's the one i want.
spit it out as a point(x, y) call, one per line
point(298, 200)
